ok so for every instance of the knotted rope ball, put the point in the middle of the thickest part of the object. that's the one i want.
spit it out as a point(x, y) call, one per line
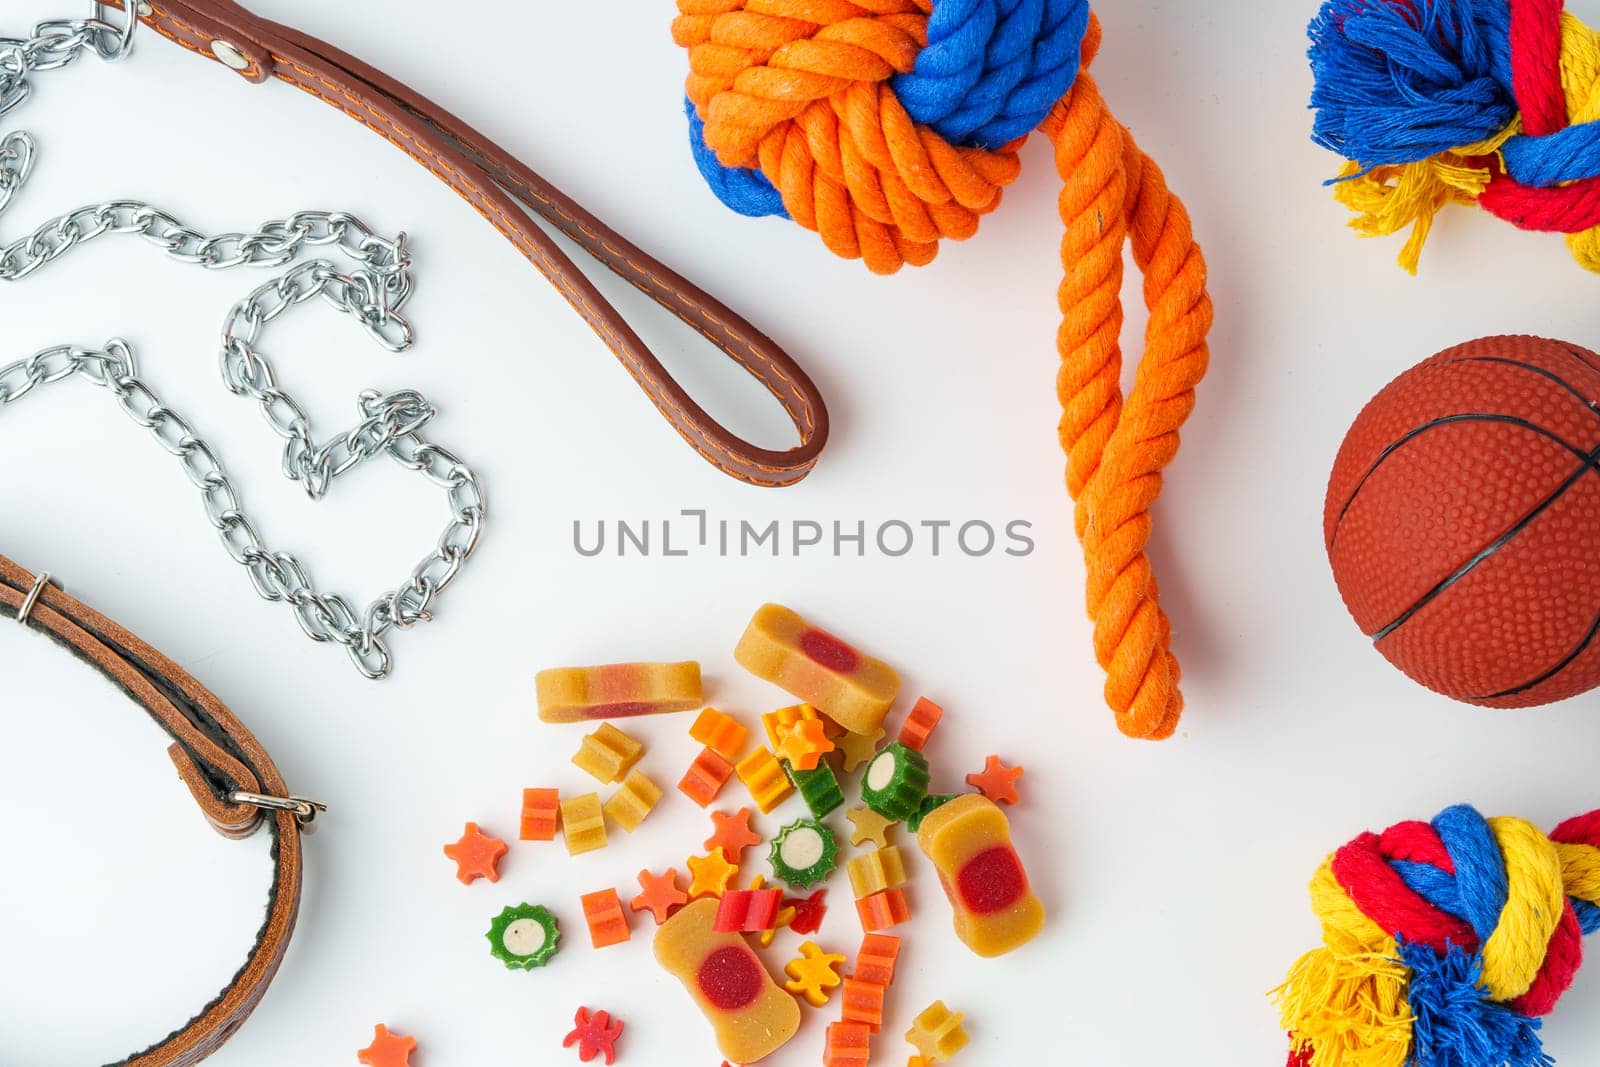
point(887, 126)
point(1444, 943)
point(1435, 102)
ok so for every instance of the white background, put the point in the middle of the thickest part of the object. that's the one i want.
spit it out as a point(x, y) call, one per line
point(1175, 873)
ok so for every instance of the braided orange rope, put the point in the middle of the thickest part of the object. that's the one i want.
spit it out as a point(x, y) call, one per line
point(800, 91)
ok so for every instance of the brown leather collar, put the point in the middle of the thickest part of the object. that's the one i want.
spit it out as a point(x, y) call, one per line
point(215, 756)
point(500, 186)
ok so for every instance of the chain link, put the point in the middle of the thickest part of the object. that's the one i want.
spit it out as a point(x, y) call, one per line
point(372, 289)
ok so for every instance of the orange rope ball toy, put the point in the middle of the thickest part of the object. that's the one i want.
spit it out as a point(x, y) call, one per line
point(888, 125)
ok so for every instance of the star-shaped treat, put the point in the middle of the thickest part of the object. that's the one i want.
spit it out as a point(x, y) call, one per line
point(595, 1035)
point(387, 1050)
point(477, 855)
point(868, 825)
point(732, 834)
point(659, 895)
point(710, 874)
point(803, 743)
point(857, 749)
point(997, 781)
point(808, 912)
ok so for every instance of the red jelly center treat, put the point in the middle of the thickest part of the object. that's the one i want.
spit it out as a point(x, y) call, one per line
point(828, 650)
point(992, 881)
point(730, 978)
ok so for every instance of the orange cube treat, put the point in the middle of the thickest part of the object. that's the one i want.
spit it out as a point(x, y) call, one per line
point(721, 733)
point(775, 722)
point(633, 801)
point(705, 777)
point(608, 923)
point(848, 1045)
point(876, 959)
point(763, 775)
point(617, 691)
point(862, 1002)
point(852, 689)
point(608, 754)
point(541, 810)
point(873, 872)
point(919, 724)
point(969, 842)
point(583, 822)
point(883, 910)
point(750, 1013)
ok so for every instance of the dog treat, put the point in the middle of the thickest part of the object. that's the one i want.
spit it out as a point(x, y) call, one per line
point(868, 825)
point(804, 853)
point(524, 937)
point(608, 754)
point(477, 855)
point(659, 895)
point(883, 910)
point(997, 781)
point(387, 1049)
point(721, 733)
point(763, 776)
point(856, 749)
point(748, 911)
point(595, 1035)
point(919, 724)
point(775, 722)
point(808, 912)
point(705, 777)
point(969, 842)
point(813, 974)
point(818, 788)
point(873, 872)
point(608, 923)
point(803, 744)
point(876, 959)
point(930, 804)
point(847, 1045)
point(749, 1012)
point(732, 834)
point(853, 690)
point(617, 691)
point(633, 801)
point(583, 823)
point(710, 874)
point(895, 782)
point(936, 1033)
point(541, 810)
point(861, 1002)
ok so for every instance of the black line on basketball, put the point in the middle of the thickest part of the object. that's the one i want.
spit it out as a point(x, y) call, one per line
point(1583, 646)
point(1588, 402)
point(1493, 547)
point(1579, 355)
point(1447, 420)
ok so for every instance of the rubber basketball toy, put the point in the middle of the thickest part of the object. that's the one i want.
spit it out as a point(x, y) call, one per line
point(1463, 521)
point(887, 126)
point(1440, 102)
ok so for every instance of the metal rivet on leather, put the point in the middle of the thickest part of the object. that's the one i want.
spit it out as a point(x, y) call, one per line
point(229, 55)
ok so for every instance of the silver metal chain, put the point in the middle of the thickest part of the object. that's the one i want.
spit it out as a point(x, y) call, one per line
point(372, 289)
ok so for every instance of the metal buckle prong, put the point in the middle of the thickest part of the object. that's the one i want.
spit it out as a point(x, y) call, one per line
point(305, 809)
point(32, 598)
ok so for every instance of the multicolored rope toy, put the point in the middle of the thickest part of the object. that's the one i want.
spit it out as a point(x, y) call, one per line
point(1437, 102)
point(888, 125)
point(1444, 943)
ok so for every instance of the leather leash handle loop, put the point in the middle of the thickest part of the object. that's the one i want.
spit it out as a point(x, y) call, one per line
point(215, 755)
point(500, 186)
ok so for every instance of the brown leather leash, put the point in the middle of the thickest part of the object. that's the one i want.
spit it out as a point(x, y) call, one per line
point(228, 772)
point(501, 186)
